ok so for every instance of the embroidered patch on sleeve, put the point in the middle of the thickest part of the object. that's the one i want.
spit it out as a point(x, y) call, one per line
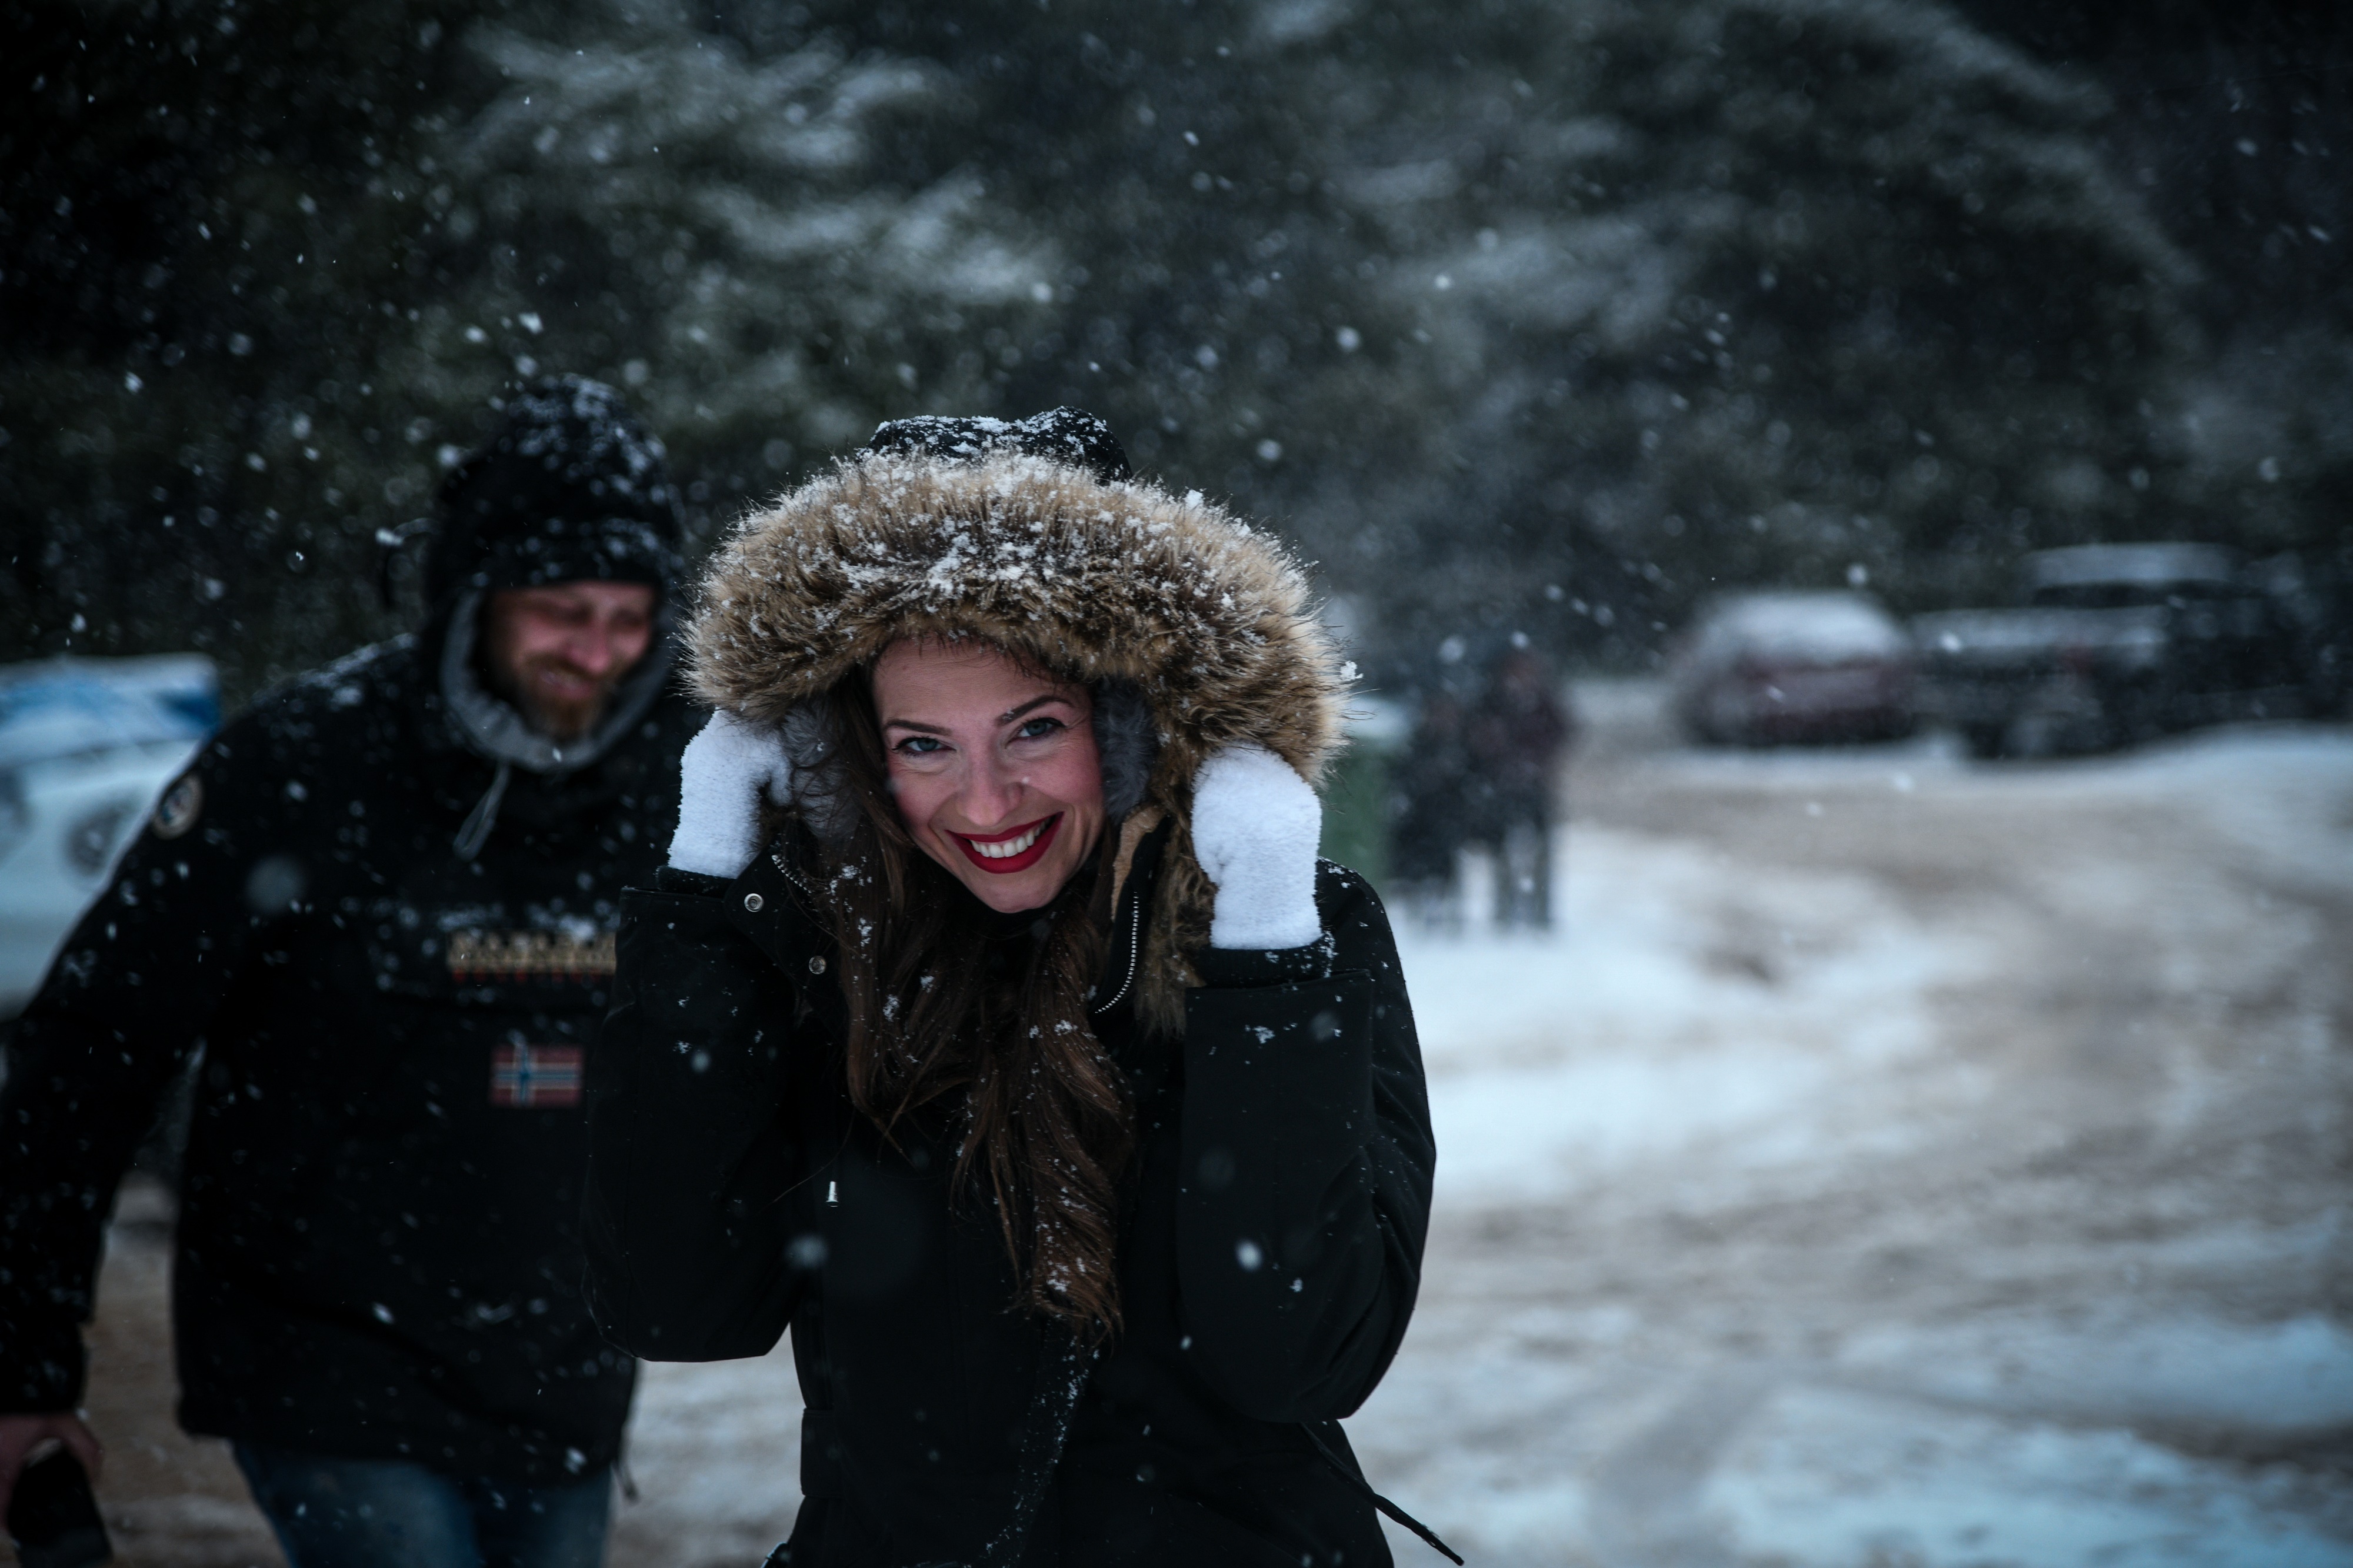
point(536, 1078)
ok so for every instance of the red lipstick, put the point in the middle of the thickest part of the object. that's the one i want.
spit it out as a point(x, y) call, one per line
point(1006, 865)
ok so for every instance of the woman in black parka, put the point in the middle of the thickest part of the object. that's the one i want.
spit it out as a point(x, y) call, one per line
point(995, 1027)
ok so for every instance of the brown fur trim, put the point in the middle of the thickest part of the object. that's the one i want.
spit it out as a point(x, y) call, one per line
point(1209, 617)
point(1132, 831)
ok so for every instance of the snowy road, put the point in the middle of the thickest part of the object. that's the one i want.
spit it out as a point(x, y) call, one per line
point(1899, 1161)
point(1891, 1161)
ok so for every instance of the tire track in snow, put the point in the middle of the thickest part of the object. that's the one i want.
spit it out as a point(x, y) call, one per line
point(1647, 1510)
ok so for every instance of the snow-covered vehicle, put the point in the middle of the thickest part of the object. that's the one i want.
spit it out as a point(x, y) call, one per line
point(2111, 646)
point(1768, 668)
point(86, 747)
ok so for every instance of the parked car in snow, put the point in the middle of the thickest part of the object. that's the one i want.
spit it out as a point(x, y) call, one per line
point(2111, 646)
point(1767, 668)
point(86, 747)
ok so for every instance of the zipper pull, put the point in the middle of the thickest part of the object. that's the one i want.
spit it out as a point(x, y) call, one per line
point(832, 1195)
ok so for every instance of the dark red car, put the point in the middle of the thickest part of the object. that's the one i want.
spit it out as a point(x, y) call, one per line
point(1772, 668)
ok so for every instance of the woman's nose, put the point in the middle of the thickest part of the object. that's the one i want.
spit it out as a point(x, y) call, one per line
point(991, 792)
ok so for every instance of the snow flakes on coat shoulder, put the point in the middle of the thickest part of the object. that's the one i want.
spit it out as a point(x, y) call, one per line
point(1209, 618)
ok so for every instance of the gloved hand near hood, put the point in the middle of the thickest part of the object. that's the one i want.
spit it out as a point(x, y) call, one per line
point(724, 771)
point(1256, 824)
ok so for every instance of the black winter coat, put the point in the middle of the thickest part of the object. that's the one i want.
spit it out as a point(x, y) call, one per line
point(378, 1253)
point(1272, 1248)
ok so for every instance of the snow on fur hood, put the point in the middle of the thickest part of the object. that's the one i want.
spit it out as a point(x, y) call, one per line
point(1094, 579)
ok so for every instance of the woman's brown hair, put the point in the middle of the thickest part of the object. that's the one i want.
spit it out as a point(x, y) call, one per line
point(946, 1010)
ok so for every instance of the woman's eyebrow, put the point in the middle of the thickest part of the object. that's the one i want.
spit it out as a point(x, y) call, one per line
point(1011, 714)
point(912, 724)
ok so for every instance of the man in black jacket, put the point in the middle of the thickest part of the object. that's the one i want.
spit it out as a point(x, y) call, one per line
point(382, 905)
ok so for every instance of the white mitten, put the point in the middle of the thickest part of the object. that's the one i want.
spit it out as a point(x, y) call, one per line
point(721, 776)
point(1255, 827)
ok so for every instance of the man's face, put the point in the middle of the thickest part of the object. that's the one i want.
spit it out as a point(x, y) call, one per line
point(558, 652)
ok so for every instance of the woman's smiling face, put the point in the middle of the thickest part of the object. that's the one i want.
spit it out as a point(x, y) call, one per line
point(994, 767)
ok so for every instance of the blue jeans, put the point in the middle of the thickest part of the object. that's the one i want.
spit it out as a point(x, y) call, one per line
point(385, 1513)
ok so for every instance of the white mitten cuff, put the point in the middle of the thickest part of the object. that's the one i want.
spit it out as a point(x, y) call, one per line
point(721, 776)
point(1256, 824)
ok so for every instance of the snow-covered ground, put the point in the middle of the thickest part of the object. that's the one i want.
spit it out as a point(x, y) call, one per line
point(1889, 1161)
point(1894, 1161)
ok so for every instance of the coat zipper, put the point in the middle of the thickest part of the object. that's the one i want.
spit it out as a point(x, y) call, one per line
point(1134, 944)
point(778, 860)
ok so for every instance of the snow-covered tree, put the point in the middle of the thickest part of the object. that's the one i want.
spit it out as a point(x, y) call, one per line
point(1742, 290)
point(1546, 314)
point(729, 237)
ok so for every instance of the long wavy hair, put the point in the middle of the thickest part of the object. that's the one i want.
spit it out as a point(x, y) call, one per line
point(950, 1014)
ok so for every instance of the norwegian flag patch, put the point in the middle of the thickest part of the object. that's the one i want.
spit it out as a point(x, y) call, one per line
point(536, 1078)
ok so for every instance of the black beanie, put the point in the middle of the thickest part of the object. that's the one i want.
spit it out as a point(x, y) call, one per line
point(569, 487)
point(1070, 436)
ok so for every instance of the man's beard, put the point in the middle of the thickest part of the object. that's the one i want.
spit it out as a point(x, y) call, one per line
point(556, 717)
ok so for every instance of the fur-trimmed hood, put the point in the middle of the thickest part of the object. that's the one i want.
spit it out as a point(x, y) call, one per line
point(1101, 581)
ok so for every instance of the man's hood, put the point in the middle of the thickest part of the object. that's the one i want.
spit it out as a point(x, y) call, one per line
point(569, 487)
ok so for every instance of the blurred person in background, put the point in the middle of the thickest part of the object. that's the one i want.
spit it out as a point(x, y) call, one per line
point(1513, 738)
point(1428, 814)
point(381, 904)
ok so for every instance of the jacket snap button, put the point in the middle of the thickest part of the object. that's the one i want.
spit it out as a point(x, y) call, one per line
point(752, 902)
point(817, 965)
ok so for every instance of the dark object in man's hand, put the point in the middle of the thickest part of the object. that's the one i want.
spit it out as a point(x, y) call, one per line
point(53, 1519)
